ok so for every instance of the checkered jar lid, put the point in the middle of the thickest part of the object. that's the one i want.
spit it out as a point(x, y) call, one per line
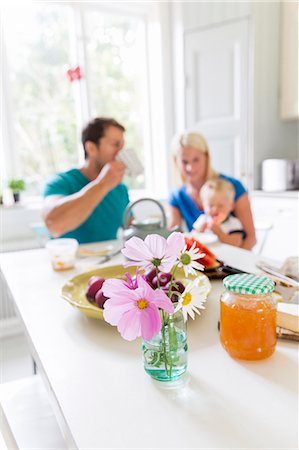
point(248, 284)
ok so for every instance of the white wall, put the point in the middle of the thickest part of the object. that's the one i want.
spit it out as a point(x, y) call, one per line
point(272, 137)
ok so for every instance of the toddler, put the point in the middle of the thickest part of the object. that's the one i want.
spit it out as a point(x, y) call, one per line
point(217, 197)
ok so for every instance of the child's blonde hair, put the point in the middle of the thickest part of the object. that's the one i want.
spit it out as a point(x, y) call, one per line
point(196, 141)
point(218, 185)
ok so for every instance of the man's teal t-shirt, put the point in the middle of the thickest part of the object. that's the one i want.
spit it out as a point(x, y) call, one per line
point(105, 219)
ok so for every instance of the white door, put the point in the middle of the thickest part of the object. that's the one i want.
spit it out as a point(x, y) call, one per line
point(217, 93)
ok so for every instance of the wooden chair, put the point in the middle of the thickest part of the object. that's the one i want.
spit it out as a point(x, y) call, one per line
point(262, 229)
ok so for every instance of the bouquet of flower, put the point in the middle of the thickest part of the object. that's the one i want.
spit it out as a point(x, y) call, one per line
point(146, 304)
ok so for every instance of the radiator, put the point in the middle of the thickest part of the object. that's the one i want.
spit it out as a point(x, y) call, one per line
point(6, 303)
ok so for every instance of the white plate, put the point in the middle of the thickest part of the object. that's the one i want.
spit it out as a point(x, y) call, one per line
point(204, 238)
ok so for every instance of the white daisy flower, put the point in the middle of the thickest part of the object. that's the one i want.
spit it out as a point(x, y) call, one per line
point(193, 297)
point(188, 260)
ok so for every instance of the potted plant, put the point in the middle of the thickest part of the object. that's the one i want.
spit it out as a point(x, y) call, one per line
point(16, 185)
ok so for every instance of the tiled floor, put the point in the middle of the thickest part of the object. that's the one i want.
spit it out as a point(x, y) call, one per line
point(15, 359)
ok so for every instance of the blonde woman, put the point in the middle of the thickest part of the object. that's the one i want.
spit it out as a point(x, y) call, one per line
point(192, 160)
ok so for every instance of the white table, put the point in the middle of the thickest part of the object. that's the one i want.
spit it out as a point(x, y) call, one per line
point(102, 397)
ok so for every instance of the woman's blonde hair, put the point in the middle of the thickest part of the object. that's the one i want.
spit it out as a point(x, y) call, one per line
point(196, 141)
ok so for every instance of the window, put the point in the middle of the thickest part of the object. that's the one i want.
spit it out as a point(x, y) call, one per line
point(45, 112)
point(40, 97)
point(116, 65)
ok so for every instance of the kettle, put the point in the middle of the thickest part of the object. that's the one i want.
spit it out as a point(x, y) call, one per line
point(141, 228)
point(280, 175)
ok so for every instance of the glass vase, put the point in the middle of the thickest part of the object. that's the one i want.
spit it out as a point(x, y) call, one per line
point(165, 355)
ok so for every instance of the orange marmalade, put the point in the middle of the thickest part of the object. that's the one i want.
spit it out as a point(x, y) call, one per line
point(248, 319)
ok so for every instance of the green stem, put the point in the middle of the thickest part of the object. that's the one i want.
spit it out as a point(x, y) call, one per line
point(168, 372)
point(171, 280)
point(165, 346)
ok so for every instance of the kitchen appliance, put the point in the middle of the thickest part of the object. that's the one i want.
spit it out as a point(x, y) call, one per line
point(141, 228)
point(280, 175)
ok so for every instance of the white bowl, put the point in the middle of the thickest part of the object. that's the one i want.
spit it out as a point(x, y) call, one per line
point(62, 253)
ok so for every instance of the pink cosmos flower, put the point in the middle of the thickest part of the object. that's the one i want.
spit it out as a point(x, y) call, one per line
point(118, 286)
point(154, 251)
point(135, 311)
point(131, 283)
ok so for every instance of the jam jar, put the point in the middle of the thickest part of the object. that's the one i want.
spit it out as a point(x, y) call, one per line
point(248, 316)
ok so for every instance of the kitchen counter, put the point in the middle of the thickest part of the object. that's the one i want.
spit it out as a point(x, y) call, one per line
point(102, 397)
point(276, 216)
point(279, 194)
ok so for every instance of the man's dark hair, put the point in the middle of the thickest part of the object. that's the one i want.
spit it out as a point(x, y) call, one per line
point(95, 130)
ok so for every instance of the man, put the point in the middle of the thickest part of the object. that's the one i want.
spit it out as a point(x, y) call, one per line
point(88, 203)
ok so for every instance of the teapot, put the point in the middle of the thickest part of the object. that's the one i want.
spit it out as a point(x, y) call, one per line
point(141, 228)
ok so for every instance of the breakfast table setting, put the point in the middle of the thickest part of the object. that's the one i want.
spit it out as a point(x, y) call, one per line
point(101, 391)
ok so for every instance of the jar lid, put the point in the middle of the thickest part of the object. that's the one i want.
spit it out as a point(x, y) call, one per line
point(248, 284)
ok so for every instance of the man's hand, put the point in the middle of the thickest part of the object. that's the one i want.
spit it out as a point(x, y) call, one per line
point(112, 174)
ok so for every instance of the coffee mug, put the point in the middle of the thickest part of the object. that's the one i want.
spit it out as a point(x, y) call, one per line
point(131, 161)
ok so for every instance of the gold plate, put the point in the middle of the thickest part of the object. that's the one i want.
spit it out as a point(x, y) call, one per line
point(95, 250)
point(74, 290)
